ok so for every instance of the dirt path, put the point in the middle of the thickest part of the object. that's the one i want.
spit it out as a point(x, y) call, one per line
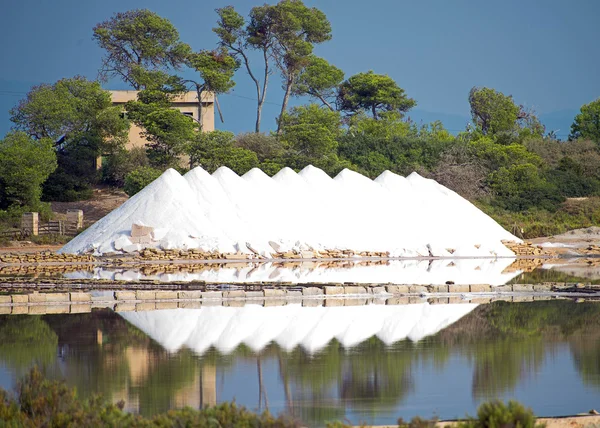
point(103, 201)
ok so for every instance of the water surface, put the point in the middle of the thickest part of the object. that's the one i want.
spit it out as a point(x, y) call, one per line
point(545, 354)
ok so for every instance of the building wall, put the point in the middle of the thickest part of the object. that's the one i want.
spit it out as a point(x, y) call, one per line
point(185, 103)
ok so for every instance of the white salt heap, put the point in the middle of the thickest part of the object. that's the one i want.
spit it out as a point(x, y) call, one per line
point(306, 211)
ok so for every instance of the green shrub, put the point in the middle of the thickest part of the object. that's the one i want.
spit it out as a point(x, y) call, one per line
point(139, 178)
point(496, 414)
point(116, 166)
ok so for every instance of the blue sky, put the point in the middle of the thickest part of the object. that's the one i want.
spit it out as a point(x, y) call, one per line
point(543, 52)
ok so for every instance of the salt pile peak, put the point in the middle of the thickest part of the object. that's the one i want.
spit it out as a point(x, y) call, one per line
point(296, 215)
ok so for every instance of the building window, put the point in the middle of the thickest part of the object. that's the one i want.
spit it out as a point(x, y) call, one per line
point(188, 113)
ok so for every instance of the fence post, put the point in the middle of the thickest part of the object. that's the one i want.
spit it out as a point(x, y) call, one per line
point(75, 219)
point(30, 224)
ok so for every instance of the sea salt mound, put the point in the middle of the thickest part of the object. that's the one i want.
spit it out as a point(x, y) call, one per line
point(306, 212)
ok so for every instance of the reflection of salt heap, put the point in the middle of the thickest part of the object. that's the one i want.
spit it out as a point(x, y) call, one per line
point(291, 213)
point(292, 325)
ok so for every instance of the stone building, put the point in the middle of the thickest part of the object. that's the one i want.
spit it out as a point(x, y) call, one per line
point(187, 103)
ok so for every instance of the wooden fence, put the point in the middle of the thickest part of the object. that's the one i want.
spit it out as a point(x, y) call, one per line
point(54, 227)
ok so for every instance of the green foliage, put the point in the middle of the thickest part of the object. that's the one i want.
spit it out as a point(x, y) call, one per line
point(138, 39)
point(311, 131)
point(392, 144)
point(139, 178)
point(495, 114)
point(216, 69)
point(267, 147)
point(238, 38)
point(492, 111)
point(496, 414)
point(587, 122)
point(495, 156)
point(167, 130)
point(72, 180)
point(25, 164)
point(213, 149)
point(116, 166)
point(519, 187)
point(319, 80)
point(296, 30)
point(72, 112)
point(536, 222)
point(78, 117)
point(373, 93)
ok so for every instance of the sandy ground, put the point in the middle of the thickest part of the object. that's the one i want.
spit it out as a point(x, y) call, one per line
point(572, 242)
point(587, 421)
point(103, 201)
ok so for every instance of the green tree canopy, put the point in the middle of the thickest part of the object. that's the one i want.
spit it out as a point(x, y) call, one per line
point(25, 163)
point(373, 93)
point(587, 122)
point(210, 150)
point(297, 29)
point(138, 39)
point(319, 80)
point(492, 111)
point(311, 131)
point(167, 130)
point(496, 114)
point(72, 111)
point(239, 37)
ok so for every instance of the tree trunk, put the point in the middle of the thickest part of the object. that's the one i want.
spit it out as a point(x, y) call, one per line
point(374, 112)
point(261, 97)
point(324, 101)
point(286, 98)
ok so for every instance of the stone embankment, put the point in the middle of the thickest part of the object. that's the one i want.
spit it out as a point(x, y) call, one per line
point(327, 295)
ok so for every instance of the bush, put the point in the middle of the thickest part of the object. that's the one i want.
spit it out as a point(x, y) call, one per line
point(266, 147)
point(73, 179)
point(139, 178)
point(11, 217)
point(496, 414)
point(116, 166)
point(24, 165)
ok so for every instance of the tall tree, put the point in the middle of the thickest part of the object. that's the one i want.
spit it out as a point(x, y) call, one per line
point(297, 29)
point(319, 80)
point(492, 111)
point(587, 122)
point(497, 115)
point(77, 115)
point(374, 93)
point(239, 38)
point(136, 40)
point(216, 69)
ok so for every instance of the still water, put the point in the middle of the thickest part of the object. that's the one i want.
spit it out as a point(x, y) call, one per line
point(426, 360)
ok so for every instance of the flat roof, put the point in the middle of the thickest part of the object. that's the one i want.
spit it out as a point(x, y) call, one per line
point(191, 97)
